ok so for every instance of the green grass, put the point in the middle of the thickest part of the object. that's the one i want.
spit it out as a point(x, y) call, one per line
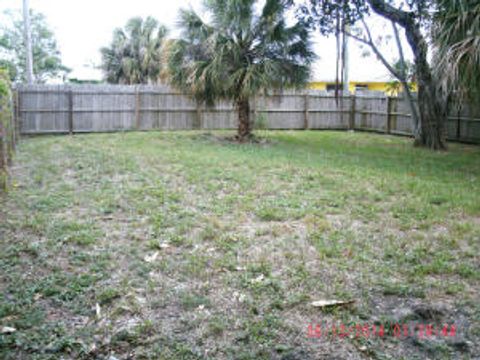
point(183, 245)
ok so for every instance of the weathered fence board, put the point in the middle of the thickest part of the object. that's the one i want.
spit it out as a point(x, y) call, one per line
point(101, 108)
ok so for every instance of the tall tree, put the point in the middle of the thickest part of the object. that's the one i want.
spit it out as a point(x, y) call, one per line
point(412, 17)
point(28, 41)
point(135, 53)
point(47, 63)
point(239, 53)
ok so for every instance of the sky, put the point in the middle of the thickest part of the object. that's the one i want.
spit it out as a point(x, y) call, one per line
point(82, 27)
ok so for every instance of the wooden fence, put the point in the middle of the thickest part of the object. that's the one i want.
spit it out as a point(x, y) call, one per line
point(102, 108)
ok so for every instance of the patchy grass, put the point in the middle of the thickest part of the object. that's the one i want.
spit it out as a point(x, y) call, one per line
point(186, 246)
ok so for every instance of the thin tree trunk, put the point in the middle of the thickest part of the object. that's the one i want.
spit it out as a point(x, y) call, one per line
point(28, 42)
point(406, 87)
point(244, 124)
point(415, 117)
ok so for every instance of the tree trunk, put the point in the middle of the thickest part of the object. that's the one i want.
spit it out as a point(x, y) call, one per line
point(244, 125)
point(432, 113)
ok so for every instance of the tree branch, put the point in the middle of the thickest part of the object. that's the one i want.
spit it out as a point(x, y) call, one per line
point(371, 44)
point(390, 12)
point(400, 49)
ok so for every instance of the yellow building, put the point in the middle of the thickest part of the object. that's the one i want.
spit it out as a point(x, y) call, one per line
point(383, 86)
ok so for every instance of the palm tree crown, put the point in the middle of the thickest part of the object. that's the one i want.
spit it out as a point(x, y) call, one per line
point(134, 56)
point(456, 37)
point(239, 53)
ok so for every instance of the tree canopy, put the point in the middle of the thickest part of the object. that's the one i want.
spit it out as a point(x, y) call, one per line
point(47, 63)
point(135, 53)
point(416, 18)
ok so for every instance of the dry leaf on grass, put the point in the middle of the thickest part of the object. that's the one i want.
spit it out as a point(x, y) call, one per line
point(98, 310)
point(330, 303)
point(239, 297)
point(258, 279)
point(7, 330)
point(151, 258)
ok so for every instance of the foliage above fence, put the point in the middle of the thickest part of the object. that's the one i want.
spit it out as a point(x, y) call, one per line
point(99, 108)
point(7, 128)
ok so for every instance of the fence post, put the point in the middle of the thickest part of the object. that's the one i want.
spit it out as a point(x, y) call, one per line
point(18, 120)
point(3, 155)
point(458, 122)
point(70, 111)
point(198, 117)
point(10, 131)
point(137, 108)
point(14, 119)
point(389, 114)
point(306, 123)
point(351, 124)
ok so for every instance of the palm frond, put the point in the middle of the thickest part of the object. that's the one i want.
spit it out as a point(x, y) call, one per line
point(135, 54)
point(239, 53)
point(456, 37)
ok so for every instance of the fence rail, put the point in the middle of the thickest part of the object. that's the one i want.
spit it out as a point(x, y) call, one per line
point(100, 108)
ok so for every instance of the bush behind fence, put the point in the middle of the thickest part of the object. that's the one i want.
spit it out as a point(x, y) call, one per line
point(8, 130)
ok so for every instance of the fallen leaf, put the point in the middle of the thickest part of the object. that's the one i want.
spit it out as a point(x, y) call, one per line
point(141, 300)
point(258, 279)
point(151, 258)
point(7, 330)
point(329, 303)
point(240, 297)
point(98, 310)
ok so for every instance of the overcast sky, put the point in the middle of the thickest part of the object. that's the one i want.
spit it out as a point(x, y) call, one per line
point(81, 27)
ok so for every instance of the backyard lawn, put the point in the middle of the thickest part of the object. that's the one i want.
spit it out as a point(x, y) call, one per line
point(184, 245)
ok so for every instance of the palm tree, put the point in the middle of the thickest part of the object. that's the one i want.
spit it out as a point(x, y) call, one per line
point(238, 54)
point(407, 68)
point(134, 56)
point(456, 37)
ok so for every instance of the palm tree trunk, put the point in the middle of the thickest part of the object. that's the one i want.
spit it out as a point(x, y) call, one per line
point(244, 125)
